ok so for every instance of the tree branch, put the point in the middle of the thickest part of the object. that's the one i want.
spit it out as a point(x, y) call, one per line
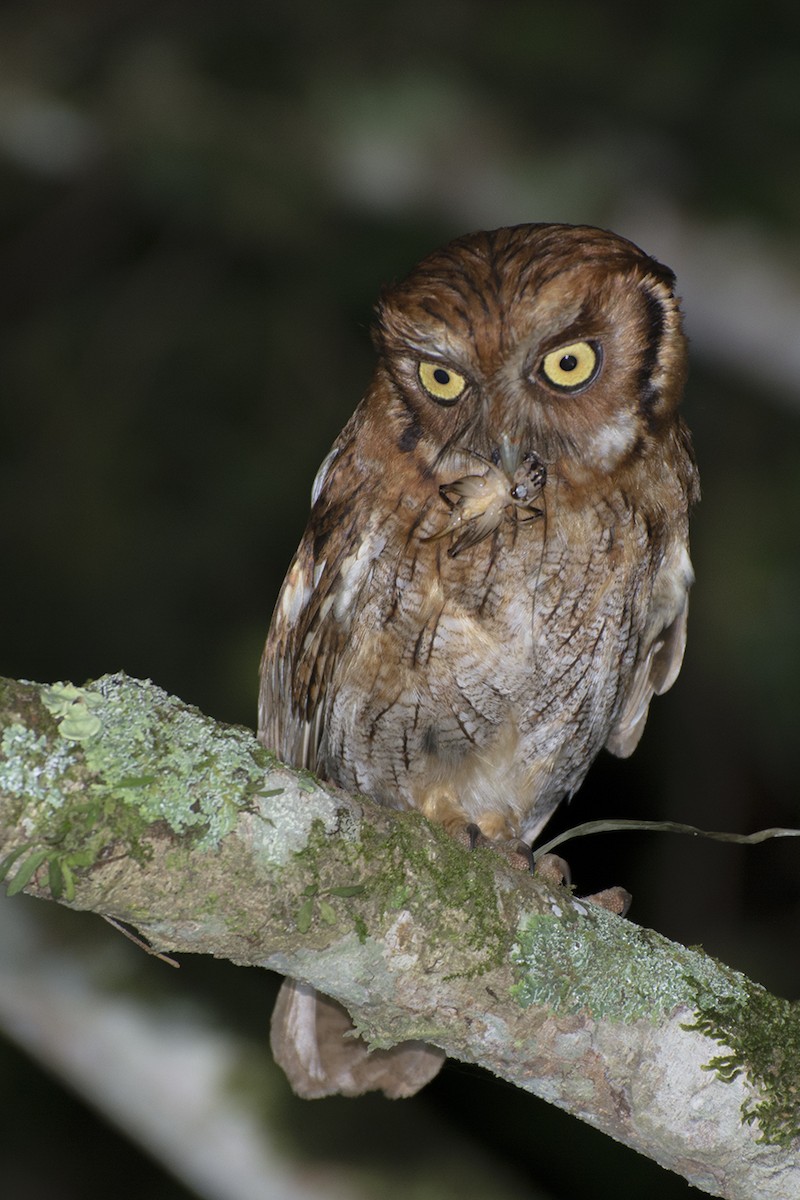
point(120, 799)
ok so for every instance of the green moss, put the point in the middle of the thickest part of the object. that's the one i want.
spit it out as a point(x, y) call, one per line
point(761, 1036)
point(203, 771)
point(360, 927)
point(32, 769)
point(326, 897)
point(410, 872)
point(586, 960)
point(464, 884)
point(65, 826)
point(381, 868)
point(128, 756)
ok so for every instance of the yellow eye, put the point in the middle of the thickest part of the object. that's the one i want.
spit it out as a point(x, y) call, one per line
point(571, 367)
point(443, 383)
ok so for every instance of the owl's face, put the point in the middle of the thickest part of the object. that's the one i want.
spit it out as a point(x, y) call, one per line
point(562, 340)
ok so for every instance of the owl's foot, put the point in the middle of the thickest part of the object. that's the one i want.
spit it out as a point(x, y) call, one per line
point(614, 899)
point(518, 854)
point(555, 871)
point(474, 835)
point(550, 867)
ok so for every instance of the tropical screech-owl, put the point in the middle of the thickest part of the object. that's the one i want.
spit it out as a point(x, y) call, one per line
point(494, 578)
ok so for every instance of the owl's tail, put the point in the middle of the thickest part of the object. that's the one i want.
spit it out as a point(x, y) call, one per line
point(309, 1041)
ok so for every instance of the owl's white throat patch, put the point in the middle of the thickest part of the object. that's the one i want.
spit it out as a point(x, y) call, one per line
point(613, 441)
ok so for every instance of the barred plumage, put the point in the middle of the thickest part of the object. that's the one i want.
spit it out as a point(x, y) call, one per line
point(494, 579)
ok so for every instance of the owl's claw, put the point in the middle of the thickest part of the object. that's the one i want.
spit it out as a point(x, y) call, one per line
point(526, 852)
point(473, 834)
point(550, 867)
point(520, 856)
point(554, 870)
point(614, 900)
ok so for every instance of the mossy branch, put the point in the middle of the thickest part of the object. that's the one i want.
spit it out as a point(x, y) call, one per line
point(122, 800)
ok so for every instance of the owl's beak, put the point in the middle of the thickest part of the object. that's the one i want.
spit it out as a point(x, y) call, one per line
point(510, 454)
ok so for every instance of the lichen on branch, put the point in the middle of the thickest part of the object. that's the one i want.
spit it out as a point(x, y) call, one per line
point(120, 799)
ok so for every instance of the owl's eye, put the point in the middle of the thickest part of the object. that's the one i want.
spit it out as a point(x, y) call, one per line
point(571, 367)
point(442, 383)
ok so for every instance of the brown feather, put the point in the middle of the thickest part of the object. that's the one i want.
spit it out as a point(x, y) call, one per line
point(494, 579)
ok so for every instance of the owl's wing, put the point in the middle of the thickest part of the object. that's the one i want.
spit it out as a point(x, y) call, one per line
point(292, 680)
point(662, 656)
point(315, 617)
point(312, 1036)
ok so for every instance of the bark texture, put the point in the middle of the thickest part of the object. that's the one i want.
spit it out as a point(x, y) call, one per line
point(120, 799)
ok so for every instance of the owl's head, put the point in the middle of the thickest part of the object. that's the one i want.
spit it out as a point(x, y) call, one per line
point(555, 339)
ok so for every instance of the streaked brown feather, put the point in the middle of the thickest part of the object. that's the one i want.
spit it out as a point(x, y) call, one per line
point(438, 645)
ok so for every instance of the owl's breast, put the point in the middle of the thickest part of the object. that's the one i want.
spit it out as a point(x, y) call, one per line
point(493, 673)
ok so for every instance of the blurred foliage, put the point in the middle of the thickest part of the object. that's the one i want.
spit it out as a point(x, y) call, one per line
point(199, 205)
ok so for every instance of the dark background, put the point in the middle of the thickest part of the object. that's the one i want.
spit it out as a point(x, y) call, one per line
point(198, 206)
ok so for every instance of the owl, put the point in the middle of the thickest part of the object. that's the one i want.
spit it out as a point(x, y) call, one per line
point(494, 579)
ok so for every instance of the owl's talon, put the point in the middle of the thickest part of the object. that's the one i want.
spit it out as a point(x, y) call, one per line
point(519, 856)
point(554, 870)
point(526, 852)
point(614, 900)
point(474, 835)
